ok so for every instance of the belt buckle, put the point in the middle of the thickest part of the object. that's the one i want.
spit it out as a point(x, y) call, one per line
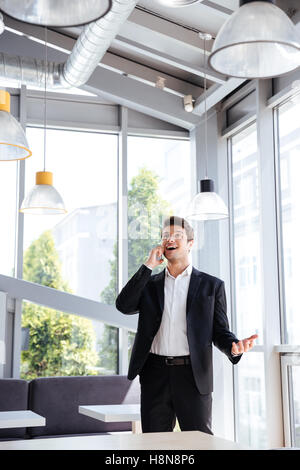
point(167, 359)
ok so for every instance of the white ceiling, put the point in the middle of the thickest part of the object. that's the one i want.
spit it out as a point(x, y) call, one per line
point(159, 41)
point(205, 16)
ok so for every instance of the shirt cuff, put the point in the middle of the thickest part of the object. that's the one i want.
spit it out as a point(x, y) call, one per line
point(147, 266)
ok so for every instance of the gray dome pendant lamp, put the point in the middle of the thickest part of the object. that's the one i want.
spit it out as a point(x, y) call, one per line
point(207, 204)
point(257, 41)
point(56, 13)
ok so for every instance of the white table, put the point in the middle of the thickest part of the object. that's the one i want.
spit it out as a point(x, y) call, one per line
point(185, 440)
point(114, 414)
point(20, 419)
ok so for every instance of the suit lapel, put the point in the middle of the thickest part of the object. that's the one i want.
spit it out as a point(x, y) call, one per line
point(193, 288)
point(160, 288)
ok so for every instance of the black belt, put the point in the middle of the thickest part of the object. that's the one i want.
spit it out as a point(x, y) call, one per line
point(171, 360)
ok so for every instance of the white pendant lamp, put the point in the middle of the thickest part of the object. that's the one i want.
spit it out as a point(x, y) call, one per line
point(13, 142)
point(207, 204)
point(56, 13)
point(43, 199)
point(257, 41)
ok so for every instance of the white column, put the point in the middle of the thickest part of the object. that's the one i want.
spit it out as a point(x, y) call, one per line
point(3, 313)
point(122, 231)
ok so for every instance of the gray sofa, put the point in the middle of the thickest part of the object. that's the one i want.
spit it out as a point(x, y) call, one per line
point(58, 399)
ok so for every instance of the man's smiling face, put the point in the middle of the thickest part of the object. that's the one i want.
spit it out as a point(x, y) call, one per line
point(175, 242)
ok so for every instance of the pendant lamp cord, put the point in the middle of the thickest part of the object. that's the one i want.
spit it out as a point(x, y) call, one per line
point(45, 96)
point(205, 114)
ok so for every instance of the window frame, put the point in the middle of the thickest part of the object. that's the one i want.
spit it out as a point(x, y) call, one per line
point(31, 115)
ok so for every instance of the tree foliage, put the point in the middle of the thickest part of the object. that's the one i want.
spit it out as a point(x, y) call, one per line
point(146, 210)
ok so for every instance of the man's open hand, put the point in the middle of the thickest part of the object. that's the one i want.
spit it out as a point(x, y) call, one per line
point(243, 346)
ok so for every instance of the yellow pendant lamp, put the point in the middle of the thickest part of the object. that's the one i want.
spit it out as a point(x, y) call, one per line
point(13, 142)
point(43, 199)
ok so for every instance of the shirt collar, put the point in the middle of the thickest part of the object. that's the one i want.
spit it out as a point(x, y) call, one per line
point(186, 272)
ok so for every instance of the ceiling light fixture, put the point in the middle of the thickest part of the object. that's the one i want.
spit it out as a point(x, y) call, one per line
point(257, 41)
point(44, 199)
point(13, 142)
point(207, 204)
point(160, 83)
point(56, 13)
point(188, 103)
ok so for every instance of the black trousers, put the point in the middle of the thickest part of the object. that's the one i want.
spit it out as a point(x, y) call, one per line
point(169, 391)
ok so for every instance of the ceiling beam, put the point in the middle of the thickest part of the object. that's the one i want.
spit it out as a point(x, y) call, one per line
point(140, 97)
point(144, 19)
point(122, 89)
point(217, 7)
point(65, 44)
point(169, 59)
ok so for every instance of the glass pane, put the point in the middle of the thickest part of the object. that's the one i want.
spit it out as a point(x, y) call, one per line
point(246, 212)
point(73, 252)
point(59, 344)
point(251, 425)
point(296, 404)
point(77, 247)
point(8, 207)
point(159, 183)
point(289, 146)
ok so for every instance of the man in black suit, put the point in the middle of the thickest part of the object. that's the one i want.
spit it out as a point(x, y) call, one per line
point(182, 311)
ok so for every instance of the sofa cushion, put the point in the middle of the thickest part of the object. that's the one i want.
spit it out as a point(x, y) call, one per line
point(13, 397)
point(58, 399)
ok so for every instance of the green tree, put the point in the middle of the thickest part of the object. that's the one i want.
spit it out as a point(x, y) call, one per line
point(146, 210)
point(59, 344)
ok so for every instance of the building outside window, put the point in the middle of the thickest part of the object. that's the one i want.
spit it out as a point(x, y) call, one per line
point(288, 130)
point(249, 376)
point(289, 161)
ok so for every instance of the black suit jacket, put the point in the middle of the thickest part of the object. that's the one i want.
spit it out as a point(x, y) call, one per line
point(206, 318)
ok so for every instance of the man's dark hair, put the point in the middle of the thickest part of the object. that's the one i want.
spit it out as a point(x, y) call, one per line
point(174, 220)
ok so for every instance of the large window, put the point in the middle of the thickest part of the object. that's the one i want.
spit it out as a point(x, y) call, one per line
point(80, 243)
point(250, 385)
point(159, 184)
point(55, 343)
point(288, 126)
point(246, 228)
point(72, 252)
point(251, 401)
point(289, 165)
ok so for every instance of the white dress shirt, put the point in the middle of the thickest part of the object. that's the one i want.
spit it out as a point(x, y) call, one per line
point(171, 338)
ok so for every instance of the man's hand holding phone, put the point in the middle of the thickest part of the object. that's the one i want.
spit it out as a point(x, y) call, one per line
point(155, 257)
